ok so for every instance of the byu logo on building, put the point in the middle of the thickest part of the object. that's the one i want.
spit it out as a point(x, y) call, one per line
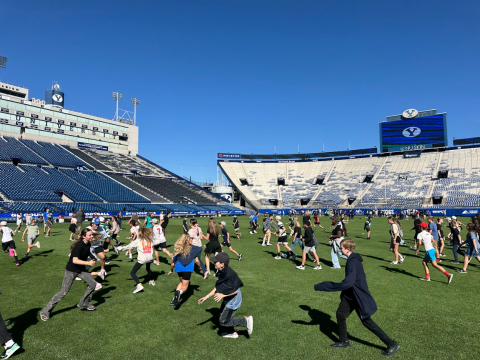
point(57, 97)
point(411, 132)
point(410, 113)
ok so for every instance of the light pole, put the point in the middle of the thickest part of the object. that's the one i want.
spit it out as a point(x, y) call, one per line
point(117, 97)
point(135, 103)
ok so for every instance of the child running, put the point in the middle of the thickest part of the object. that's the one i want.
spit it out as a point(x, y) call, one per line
point(236, 226)
point(226, 240)
point(196, 234)
point(267, 229)
point(426, 238)
point(227, 288)
point(395, 240)
point(7, 241)
point(183, 264)
point(472, 250)
point(213, 245)
point(159, 242)
point(133, 235)
point(366, 227)
point(143, 244)
point(73, 227)
point(32, 233)
point(282, 238)
point(309, 248)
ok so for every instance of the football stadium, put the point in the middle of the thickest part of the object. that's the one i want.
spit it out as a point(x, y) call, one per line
point(368, 252)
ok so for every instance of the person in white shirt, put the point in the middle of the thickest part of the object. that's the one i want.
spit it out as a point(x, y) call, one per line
point(7, 241)
point(19, 222)
point(426, 238)
point(28, 219)
point(133, 235)
point(159, 242)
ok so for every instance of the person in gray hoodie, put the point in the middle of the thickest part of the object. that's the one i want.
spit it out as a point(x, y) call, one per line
point(144, 245)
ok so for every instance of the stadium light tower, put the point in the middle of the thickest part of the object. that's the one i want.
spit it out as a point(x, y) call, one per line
point(117, 97)
point(135, 103)
point(3, 62)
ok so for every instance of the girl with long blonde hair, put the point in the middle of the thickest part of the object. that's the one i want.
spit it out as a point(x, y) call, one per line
point(144, 245)
point(183, 263)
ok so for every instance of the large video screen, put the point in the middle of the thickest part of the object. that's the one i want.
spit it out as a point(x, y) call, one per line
point(413, 134)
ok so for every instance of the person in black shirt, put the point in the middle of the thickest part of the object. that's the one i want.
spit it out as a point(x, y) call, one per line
point(75, 268)
point(309, 248)
point(418, 229)
point(355, 296)
point(236, 226)
point(307, 219)
point(164, 222)
point(185, 226)
point(456, 241)
point(441, 237)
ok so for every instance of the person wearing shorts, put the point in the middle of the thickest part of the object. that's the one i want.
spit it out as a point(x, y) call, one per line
point(73, 227)
point(183, 264)
point(7, 241)
point(282, 238)
point(226, 240)
point(473, 248)
point(33, 232)
point(236, 226)
point(309, 248)
point(96, 246)
point(159, 242)
point(49, 223)
point(19, 222)
point(426, 238)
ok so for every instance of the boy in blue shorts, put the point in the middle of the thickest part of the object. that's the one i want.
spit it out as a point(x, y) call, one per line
point(426, 238)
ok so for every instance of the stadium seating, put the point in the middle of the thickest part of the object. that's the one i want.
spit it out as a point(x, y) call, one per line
point(88, 159)
point(106, 188)
point(138, 188)
point(11, 148)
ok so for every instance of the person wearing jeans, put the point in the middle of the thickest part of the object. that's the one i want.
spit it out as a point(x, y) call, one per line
point(227, 288)
point(355, 296)
point(75, 268)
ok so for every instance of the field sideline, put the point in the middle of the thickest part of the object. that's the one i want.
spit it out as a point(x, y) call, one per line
point(291, 320)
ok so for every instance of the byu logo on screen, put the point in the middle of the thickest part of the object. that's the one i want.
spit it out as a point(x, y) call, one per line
point(57, 97)
point(410, 113)
point(411, 132)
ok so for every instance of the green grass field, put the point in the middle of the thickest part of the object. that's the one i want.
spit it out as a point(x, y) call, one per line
point(430, 320)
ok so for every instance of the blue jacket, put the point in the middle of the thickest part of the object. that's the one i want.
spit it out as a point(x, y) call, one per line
point(356, 280)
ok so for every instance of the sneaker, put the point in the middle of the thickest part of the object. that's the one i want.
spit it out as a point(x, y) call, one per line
point(268, 244)
point(47, 235)
point(251, 233)
point(424, 279)
point(130, 260)
point(439, 261)
point(90, 308)
point(116, 250)
point(77, 278)
point(443, 255)
point(26, 256)
point(391, 349)
point(249, 324)
point(413, 248)
point(17, 264)
point(263, 244)
point(102, 275)
point(44, 317)
point(98, 286)
point(294, 257)
point(176, 299)
point(126, 253)
point(239, 257)
point(402, 259)
point(318, 267)
point(335, 268)
point(107, 262)
point(138, 288)
point(285, 256)
point(37, 244)
point(394, 263)
point(300, 267)
point(450, 277)
point(340, 345)
point(277, 257)
point(156, 262)
point(206, 274)
point(255, 231)
point(231, 336)
point(461, 271)
point(151, 282)
point(455, 262)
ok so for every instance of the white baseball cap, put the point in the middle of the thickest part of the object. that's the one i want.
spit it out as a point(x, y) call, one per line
point(278, 217)
point(154, 221)
point(102, 219)
point(3, 223)
point(454, 217)
point(223, 223)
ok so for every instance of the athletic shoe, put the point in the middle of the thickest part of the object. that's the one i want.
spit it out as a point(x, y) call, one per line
point(394, 263)
point(294, 257)
point(44, 317)
point(126, 253)
point(300, 267)
point(151, 282)
point(255, 231)
point(138, 288)
point(176, 299)
point(318, 267)
point(239, 257)
point(268, 244)
point(130, 260)
point(439, 260)
point(77, 278)
point(450, 277)
point(90, 308)
point(231, 336)
point(340, 345)
point(391, 349)
point(455, 262)
point(107, 262)
point(284, 256)
point(413, 248)
point(116, 250)
point(263, 244)
point(443, 255)
point(47, 235)
point(402, 259)
point(26, 256)
point(424, 279)
point(335, 268)
point(102, 275)
point(98, 286)
point(156, 262)
point(461, 271)
point(37, 244)
point(17, 264)
point(249, 324)
point(206, 274)
point(9, 351)
point(251, 233)
point(277, 257)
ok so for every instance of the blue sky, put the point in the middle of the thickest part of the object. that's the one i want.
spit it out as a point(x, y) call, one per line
point(246, 76)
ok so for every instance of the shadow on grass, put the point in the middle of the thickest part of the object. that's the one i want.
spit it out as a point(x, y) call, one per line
point(327, 326)
point(214, 319)
point(375, 257)
point(399, 271)
point(187, 294)
point(19, 324)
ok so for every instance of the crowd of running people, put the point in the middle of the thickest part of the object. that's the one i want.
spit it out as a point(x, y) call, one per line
point(92, 243)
